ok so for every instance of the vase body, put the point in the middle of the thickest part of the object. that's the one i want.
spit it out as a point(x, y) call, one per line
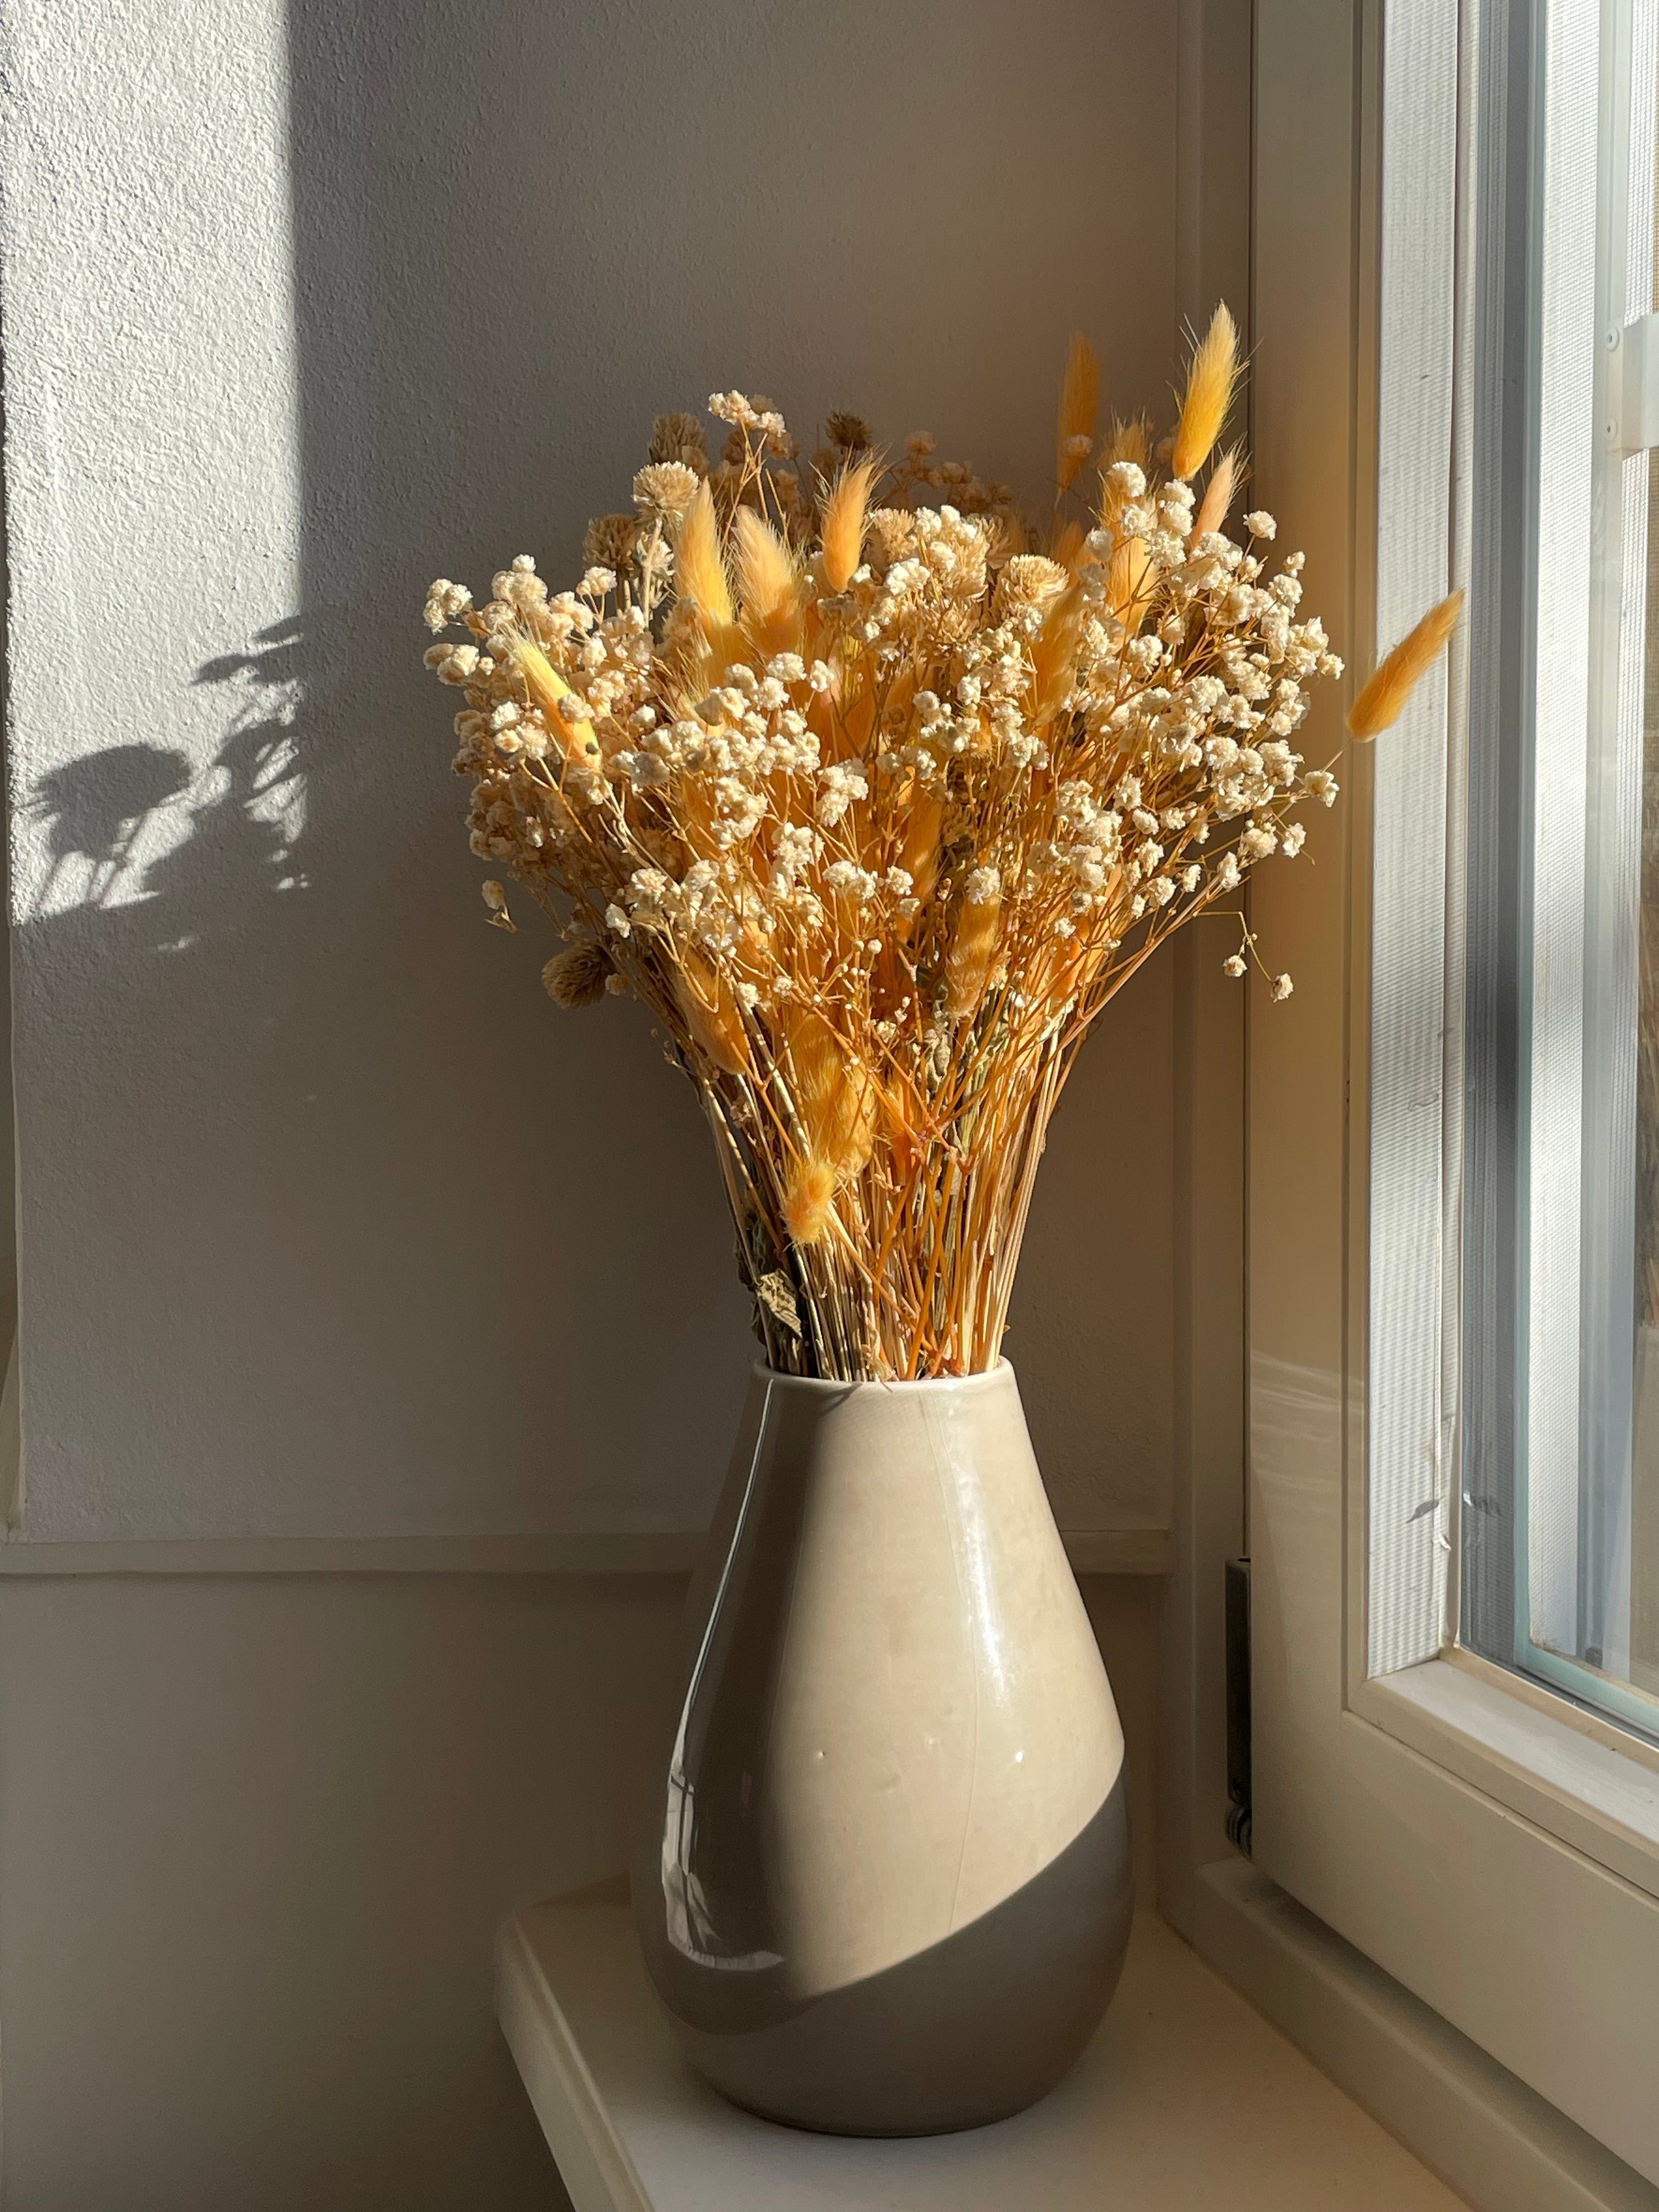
point(884, 1883)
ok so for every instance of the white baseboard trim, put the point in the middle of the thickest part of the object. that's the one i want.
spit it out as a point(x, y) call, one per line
point(1131, 1550)
point(1489, 2136)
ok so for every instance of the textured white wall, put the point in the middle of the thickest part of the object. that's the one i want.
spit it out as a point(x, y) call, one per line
point(330, 1224)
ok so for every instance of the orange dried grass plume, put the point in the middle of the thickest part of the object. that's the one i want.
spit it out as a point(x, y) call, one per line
point(767, 583)
point(712, 1013)
point(835, 1103)
point(547, 689)
point(918, 849)
point(700, 571)
point(1068, 544)
point(967, 963)
point(1210, 382)
point(1079, 407)
point(809, 1200)
point(1219, 494)
point(1382, 699)
point(1053, 652)
point(844, 518)
point(835, 1100)
point(1129, 587)
point(1128, 442)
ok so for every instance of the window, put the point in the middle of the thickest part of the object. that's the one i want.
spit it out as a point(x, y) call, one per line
point(1560, 1131)
point(1454, 1125)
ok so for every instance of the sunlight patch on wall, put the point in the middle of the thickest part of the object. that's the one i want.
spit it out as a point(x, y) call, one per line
point(154, 502)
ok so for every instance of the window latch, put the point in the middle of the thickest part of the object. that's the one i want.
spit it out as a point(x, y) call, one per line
point(1237, 1636)
point(1632, 422)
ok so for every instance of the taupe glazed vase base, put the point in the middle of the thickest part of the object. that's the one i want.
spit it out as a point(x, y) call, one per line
point(884, 1886)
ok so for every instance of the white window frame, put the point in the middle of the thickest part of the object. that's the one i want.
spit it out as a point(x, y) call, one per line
point(1491, 1847)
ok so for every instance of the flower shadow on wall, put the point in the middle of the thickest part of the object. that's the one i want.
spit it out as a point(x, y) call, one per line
point(264, 1031)
point(197, 1119)
point(98, 809)
point(113, 835)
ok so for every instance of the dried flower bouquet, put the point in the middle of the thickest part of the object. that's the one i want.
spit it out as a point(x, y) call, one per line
point(875, 795)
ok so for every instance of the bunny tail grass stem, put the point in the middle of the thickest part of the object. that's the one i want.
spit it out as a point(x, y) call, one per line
point(1209, 395)
point(1079, 409)
point(1382, 699)
point(843, 524)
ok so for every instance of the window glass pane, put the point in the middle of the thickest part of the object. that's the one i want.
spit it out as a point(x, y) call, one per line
point(1619, 1628)
point(1559, 1511)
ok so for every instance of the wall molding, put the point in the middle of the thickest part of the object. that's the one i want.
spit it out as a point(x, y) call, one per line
point(1131, 1549)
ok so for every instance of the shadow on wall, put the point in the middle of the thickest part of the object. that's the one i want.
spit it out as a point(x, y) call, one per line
point(296, 1083)
point(237, 823)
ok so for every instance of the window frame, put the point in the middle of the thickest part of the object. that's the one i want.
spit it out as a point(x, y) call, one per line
point(1492, 1847)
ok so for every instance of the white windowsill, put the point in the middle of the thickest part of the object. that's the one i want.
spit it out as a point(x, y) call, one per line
point(1185, 2097)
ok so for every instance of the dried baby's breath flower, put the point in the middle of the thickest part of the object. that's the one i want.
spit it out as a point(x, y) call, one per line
point(447, 603)
point(452, 664)
point(876, 807)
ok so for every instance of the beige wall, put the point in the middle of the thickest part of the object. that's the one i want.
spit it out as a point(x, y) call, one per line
point(255, 1836)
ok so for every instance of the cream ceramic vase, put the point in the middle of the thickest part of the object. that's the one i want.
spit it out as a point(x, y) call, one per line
point(884, 1886)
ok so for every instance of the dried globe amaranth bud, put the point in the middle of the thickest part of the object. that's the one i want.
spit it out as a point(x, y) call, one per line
point(578, 976)
point(679, 438)
point(887, 537)
point(609, 541)
point(850, 432)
